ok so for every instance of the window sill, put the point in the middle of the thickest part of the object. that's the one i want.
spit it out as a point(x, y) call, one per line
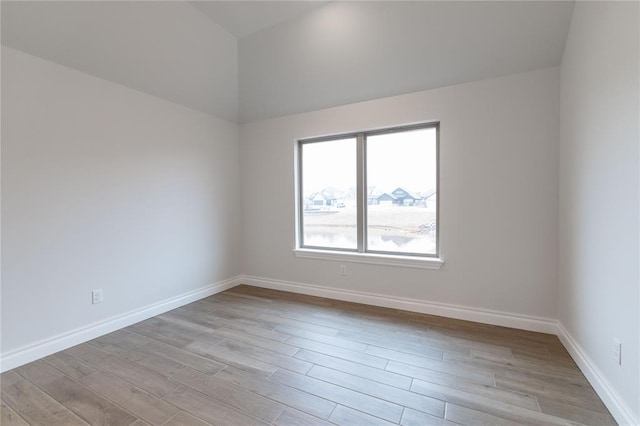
point(370, 258)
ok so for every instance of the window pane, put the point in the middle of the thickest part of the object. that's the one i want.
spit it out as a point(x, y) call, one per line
point(401, 192)
point(329, 194)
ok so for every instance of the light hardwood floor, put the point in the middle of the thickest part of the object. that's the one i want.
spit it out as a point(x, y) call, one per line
point(251, 356)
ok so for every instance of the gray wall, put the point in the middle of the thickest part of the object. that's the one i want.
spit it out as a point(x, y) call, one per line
point(599, 256)
point(106, 187)
point(498, 195)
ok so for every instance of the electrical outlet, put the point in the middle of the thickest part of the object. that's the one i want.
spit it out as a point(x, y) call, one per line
point(343, 270)
point(96, 296)
point(617, 351)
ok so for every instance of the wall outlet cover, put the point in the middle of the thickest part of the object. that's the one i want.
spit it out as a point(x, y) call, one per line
point(96, 296)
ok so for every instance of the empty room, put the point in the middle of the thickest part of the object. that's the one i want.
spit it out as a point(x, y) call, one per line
point(320, 212)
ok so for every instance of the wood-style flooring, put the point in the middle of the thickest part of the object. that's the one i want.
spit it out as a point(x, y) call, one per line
point(252, 356)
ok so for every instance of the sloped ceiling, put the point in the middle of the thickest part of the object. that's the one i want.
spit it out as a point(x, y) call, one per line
point(243, 18)
point(248, 61)
point(346, 52)
point(167, 49)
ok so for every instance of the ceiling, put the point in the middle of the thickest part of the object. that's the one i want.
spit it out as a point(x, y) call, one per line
point(243, 18)
point(247, 61)
point(166, 49)
point(346, 52)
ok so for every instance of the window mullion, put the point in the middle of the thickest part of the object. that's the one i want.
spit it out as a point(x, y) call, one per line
point(362, 193)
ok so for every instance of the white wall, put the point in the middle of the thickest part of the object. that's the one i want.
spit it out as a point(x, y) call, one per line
point(498, 195)
point(106, 187)
point(599, 257)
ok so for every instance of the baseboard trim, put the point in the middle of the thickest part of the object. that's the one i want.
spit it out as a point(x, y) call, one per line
point(620, 411)
point(505, 319)
point(45, 347)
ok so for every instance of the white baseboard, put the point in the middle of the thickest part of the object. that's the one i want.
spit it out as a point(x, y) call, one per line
point(45, 347)
point(505, 319)
point(620, 411)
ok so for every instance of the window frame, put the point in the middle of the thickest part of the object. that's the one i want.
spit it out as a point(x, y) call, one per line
point(362, 254)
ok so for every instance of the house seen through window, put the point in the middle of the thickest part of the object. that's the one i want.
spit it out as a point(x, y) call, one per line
point(371, 192)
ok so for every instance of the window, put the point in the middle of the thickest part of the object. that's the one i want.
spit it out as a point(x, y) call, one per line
point(370, 192)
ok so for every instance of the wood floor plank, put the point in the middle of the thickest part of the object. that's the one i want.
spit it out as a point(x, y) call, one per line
point(291, 417)
point(39, 373)
point(135, 374)
point(266, 356)
point(464, 384)
point(232, 358)
point(348, 416)
point(142, 404)
point(349, 355)
point(558, 351)
point(210, 409)
point(261, 304)
point(486, 405)
point(438, 369)
point(245, 401)
point(418, 418)
point(473, 340)
point(182, 330)
point(163, 331)
point(124, 337)
point(544, 357)
point(369, 387)
point(468, 416)
point(69, 365)
point(10, 378)
point(540, 367)
point(375, 406)
point(382, 376)
point(333, 321)
point(280, 320)
point(183, 357)
point(8, 417)
point(36, 407)
point(271, 345)
point(405, 357)
point(88, 354)
point(421, 348)
point(393, 326)
point(558, 389)
point(185, 419)
point(302, 401)
point(242, 316)
point(161, 365)
point(87, 404)
point(322, 338)
point(194, 327)
point(577, 414)
point(190, 314)
point(363, 318)
point(509, 337)
point(423, 344)
point(537, 380)
point(252, 330)
point(247, 297)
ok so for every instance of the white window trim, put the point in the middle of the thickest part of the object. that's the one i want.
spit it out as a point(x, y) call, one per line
point(370, 258)
point(387, 259)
